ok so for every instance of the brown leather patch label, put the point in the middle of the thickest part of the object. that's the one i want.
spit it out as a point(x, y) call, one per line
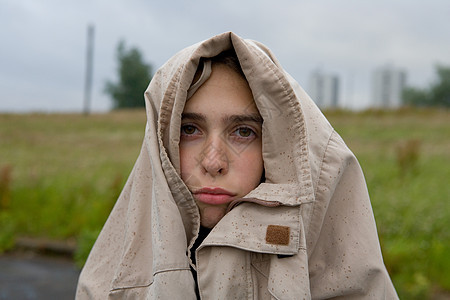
point(278, 235)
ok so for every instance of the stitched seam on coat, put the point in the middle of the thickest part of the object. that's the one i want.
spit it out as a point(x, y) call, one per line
point(130, 287)
point(147, 285)
point(325, 149)
point(321, 169)
point(164, 113)
point(164, 121)
point(313, 210)
point(248, 275)
point(248, 249)
point(259, 271)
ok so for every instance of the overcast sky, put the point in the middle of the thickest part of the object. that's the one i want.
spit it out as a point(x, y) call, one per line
point(43, 42)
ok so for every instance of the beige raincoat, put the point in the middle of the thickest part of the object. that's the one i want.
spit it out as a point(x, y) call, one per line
point(307, 232)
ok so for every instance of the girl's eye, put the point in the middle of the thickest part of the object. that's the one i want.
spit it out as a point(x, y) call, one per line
point(188, 129)
point(244, 132)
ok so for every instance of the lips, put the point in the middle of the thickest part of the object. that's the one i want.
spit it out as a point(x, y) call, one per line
point(213, 196)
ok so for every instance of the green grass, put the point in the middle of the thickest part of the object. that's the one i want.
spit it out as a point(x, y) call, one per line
point(405, 156)
point(61, 174)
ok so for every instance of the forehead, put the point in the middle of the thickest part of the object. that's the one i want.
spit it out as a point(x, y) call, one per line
point(225, 91)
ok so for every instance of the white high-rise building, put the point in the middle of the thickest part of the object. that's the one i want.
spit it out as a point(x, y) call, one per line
point(324, 89)
point(387, 87)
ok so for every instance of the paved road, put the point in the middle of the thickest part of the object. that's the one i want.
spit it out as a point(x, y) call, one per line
point(31, 277)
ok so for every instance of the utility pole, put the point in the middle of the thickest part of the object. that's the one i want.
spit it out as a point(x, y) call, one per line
point(89, 67)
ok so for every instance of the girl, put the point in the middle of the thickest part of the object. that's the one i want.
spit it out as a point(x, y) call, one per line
point(242, 190)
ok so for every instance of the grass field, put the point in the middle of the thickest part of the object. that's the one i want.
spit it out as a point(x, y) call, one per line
point(60, 175)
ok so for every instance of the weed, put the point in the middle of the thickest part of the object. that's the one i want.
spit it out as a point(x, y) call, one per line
point(5, 186)
point(408, 155)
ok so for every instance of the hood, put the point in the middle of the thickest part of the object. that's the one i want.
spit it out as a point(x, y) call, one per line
point(285, 140)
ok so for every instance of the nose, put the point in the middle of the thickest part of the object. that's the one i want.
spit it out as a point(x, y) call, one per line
point(214, 159)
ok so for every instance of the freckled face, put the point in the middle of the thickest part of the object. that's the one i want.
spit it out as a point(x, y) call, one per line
point(220, 143)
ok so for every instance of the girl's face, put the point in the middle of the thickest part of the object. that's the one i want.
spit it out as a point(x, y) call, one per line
point(220, 143)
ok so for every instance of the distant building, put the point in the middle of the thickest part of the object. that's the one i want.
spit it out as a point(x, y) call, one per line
point(387, 87)
point(324, 89)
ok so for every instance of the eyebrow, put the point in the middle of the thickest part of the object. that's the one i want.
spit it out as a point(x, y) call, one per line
point(193, 116)
point(256, 118)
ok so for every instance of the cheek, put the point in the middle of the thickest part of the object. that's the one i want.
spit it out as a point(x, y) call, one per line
point(250, 165)
point(187, 162)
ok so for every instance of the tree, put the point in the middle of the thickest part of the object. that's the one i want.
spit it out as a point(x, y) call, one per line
point(415, 97)
point(134, 76)
point(437, 95)
point(440, 91)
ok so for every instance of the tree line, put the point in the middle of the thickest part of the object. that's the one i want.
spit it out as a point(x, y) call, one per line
point(437, 94)
point(134, 75)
